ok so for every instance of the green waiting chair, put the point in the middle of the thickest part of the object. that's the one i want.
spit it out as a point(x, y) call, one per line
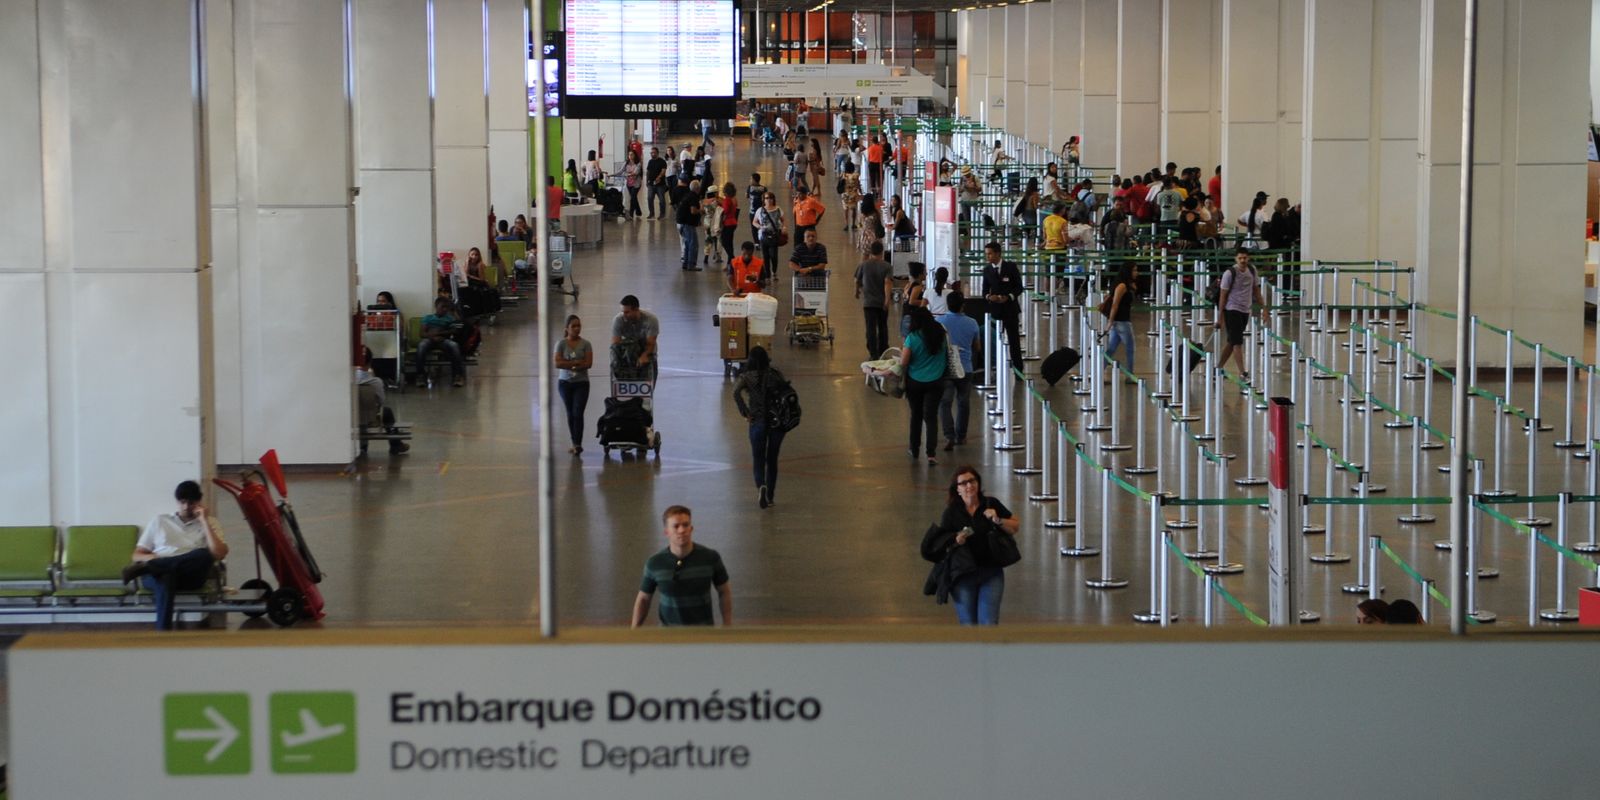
point(92, 558)
point(27, 561)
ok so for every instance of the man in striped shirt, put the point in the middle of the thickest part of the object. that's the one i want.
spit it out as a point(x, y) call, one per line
point(685, 573)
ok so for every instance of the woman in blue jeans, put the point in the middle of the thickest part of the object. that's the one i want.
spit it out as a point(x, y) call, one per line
point(1119, 322)
point(574, 356)
point(978, 518)
point(752, 394)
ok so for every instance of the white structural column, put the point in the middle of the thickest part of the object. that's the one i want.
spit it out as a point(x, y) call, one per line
point(1189, 119)
point(1139, 70)
point(995, 29)
point(1017, 112)
point(394, 152)
point(963, 76)
point(284, 236)
point(1529, 175)
point(976, 104)
point(460, 126)
point(508, 108)
point(1262, 64)
point(1098, 37)
point(1040, 51)
point(1066, 70)
point(1360, 129)
point(102, 260)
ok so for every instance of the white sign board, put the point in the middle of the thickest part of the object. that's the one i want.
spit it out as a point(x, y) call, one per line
point(1023, 716)
point(845, 80)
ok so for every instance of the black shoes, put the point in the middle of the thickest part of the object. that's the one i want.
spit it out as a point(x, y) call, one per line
point(761, 496)
point(134, 571)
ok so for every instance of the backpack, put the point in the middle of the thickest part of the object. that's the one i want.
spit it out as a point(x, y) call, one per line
point(783, 405)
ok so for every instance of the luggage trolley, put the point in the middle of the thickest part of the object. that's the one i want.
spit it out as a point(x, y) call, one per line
point(561, 262)
point(277, 535)
point(808, 323)
point(628, 424)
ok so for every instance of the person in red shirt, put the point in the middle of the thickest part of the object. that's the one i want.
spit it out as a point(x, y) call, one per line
point(729, 204)
point(1214, 187)
point(552, 198)
point(744, 271)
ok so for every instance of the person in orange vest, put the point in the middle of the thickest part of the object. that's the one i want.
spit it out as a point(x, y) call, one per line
point(808, 211)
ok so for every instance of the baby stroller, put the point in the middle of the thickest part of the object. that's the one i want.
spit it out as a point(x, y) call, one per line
point(769, 137)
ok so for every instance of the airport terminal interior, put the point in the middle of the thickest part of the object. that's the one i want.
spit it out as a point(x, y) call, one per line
point(188, 265)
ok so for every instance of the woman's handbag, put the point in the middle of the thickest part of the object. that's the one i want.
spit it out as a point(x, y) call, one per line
point(1003, 547)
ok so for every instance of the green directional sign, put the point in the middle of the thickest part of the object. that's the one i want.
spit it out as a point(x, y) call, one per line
point(207, 734)
point(313, 732)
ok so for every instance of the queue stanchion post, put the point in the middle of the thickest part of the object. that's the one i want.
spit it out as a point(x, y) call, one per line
point(987, 382)
point(1002, 372)
point(1417, 515)
point(1047, 458)
point(1116, 444)
point(1167, 617)
point(1472, 354)
point(1314, 322)
point(1097, 399)
point(1399, 420)
point(1366, 450)
point(1510, 368)
point(1030, 464)
point(1567, 442)
point(1307, 527)
point(1106, 580)
point(1409, 371)
point(1208, 413)
point(1063, 453)
point(1201, 551)
point(1207, 605)
point(1157, 538)
point(1184, 377)
point(1333, 329)
point(1533, 520)
point(1538, 388)
point(1086, 352)
point(1055, 328)
point(1589, 409)
point(1328, 554)
point(1030, 337)
point(1344, 422)
point(1250, 477)
point(1500, 415)
point(1427, 600)
point(1427, 402)
point(1222, 565)
point(1182, 523)
point(1474, 536)
point(1374, 589)
point(1560, 613)
point(1139, 467)
point(1411, 295)
point(1080, 546)
point(1362, 543)
point(1590, 481)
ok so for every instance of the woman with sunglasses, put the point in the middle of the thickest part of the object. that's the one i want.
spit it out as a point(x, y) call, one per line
point(987, 529)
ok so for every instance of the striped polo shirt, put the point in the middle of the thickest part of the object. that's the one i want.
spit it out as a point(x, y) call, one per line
point(685, 584)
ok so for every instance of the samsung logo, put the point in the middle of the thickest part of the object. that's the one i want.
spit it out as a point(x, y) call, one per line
point(649, 108)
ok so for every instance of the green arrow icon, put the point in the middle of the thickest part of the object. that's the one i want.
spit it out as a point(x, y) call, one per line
point(207, 734)
point(313, 732)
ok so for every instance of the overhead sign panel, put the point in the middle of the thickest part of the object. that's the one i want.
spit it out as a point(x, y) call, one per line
point(829, 80)
point(651, 58)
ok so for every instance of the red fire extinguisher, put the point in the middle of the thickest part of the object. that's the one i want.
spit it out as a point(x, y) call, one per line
point(602, 152)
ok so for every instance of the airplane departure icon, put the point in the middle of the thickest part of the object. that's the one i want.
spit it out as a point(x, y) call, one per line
point(310, 731)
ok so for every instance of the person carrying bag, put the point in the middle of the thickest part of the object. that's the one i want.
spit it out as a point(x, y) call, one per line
point(971, 546)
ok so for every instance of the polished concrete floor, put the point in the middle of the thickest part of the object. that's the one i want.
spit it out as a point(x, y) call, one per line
point(446, 534)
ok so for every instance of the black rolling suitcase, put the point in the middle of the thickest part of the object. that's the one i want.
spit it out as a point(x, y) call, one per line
point(624, 421)
point(1058, 364)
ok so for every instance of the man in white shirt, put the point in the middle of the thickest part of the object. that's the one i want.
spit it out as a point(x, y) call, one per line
point(176, 552)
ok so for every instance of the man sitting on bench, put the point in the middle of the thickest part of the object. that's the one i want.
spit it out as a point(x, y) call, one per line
point(436, 331)
point(176, 552)
point(370, 402)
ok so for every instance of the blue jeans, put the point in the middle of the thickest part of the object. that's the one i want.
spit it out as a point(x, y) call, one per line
point(691, 244)
point(1121, 334)
point(575, 396)
point(452, 351)
point(764, 446)
point(172, 574)
point(977, 596)
point(957, 394)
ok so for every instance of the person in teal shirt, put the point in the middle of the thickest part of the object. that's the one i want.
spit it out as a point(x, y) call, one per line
point(923, 359)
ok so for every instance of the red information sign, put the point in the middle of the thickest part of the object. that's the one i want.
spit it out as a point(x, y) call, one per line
point(944, 204)
point(930, 174)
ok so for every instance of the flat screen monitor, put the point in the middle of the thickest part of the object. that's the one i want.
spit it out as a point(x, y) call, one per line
point(551, 59)
point(651, 58)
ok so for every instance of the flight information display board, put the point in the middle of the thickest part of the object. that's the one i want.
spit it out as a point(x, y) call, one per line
point(652, 58)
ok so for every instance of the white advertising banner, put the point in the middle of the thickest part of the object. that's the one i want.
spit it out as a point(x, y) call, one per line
point(761, 81)
point(1016, 713)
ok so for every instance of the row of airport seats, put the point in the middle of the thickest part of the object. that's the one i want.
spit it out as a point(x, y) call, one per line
point(79, 569)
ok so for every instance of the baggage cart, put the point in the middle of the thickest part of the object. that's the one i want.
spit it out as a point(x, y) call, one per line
point(808, 321)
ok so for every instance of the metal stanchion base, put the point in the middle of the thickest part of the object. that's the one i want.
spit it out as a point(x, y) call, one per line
point(1542, 427)
point(1223, 568)
point(1330, 558)
point(1201, 555)
point(1324, 376)
point(1500, 493)
point(1535, 522)
point(1080, 392)
point(1356, 588)
point(1060, 523)
point(1278, 353)
point(1488, 573)
point(1334, 331)
point(1115, 447)
point(1139, 470)
point(1372, 488)
point(1182, 524)
point(1205, 437)
point(1043, 498)
point(1431, 446)
point(1564, 445)
point(1414, 376)
point(1418, 519)
point(1259, 406)
point(1003, 447)
point(1385, 360)
point(1026, 471)
point(1312, 530)
point(1397, 423)
point(1558, 614)
point(995, 412)
point(1107, 583)
point(1032, 358)
point(1583, 454)
point(1587, 547)
point(1161, 395)
point(1442, 544)
point(1483, 617)
point(1098, 427)
point(1189, 418)
point(1153, 617)
point(1310, 616)
point(1249, 480)
point(1080, 552)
